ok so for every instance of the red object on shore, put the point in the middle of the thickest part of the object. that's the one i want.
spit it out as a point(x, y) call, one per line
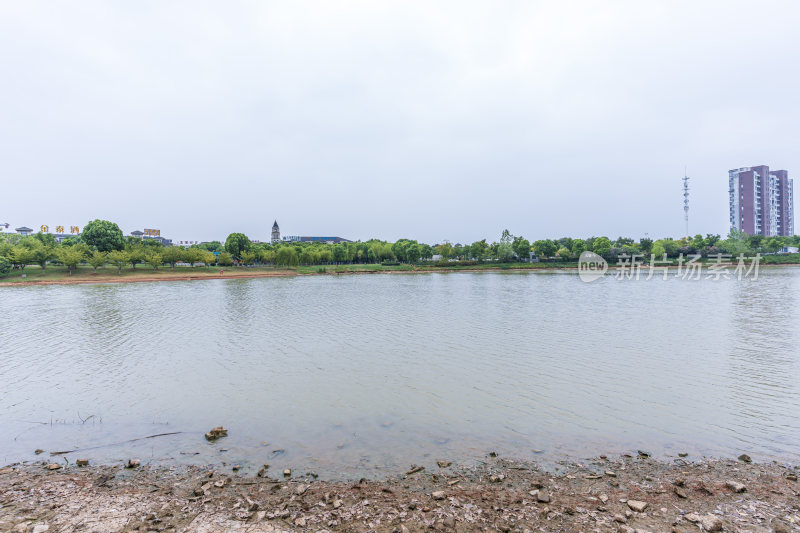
point(220, 272)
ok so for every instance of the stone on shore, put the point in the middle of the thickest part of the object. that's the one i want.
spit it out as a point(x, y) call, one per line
point(745, 458)
point(637, 505)
point(133, 463)
point(82, 462)
point(735, 486)
point(711, 522)
point(53, 466)
point(443, 464)
point(438, 495)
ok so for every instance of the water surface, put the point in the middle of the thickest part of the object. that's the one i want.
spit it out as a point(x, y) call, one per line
point(362, 375)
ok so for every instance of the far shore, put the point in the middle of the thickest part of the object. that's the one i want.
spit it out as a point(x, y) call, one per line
point(57, 275)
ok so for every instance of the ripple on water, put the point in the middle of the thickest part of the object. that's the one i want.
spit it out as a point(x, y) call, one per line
point(374, 372)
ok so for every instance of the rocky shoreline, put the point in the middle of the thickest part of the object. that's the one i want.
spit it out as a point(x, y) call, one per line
point(633, 494)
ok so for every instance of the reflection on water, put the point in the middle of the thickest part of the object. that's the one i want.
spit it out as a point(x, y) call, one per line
point(356, 375)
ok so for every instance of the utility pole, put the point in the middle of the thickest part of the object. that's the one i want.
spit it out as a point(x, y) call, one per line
point(686, 200)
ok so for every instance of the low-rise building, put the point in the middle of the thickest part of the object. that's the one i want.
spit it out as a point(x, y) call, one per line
point(327, 240)
point(151, 234)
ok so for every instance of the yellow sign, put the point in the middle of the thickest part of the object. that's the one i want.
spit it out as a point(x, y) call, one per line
point(152, 232)
point(74, 230)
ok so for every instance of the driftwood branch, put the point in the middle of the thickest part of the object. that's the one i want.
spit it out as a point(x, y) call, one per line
point(115, 443)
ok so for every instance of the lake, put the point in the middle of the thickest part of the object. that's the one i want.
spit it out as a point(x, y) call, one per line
point(363, 375)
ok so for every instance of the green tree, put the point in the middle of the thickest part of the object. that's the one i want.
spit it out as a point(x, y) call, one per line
point(578, 247)
point(71, 256)
point(47, 239)
point(754, 242)
point(208, 258)
point(5, 266)
point(193, 255)
point(772, 245)
point(646, 245)
point(426, 251)
point(118, 258)
point(266, 256)
point(136, 254)
point(103, 235)
point(248, 257)
point(523, 248)
point(97, 259)
point(657, 250)
point(563, 253)
point(601, 246)
point(236, 243)
point(42, 254)
point(505, 252)
point(172, 255)
point(213, 246)
point(286, 256)
point(445, 250)
point(154, 259)
point(413, 252)
point(224, 259)
point(22, 256)
point(479, 249)
point(545, 248)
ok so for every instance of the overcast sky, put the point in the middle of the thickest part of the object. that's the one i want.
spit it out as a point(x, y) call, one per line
point(424, 120)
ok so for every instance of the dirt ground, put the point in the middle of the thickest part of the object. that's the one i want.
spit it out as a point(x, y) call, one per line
point(630, 493)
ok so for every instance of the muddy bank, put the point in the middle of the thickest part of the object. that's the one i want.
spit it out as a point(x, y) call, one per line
point(631, 494)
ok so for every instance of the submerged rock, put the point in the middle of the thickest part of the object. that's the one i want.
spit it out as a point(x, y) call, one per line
point(216, 433)
point(745, 458)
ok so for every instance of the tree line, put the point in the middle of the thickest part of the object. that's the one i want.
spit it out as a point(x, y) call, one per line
point(102, 243)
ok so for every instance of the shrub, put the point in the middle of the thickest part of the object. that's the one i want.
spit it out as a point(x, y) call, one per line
point(5, 266)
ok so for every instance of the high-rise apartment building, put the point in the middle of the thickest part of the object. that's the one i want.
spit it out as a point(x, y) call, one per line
point(761, 201)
